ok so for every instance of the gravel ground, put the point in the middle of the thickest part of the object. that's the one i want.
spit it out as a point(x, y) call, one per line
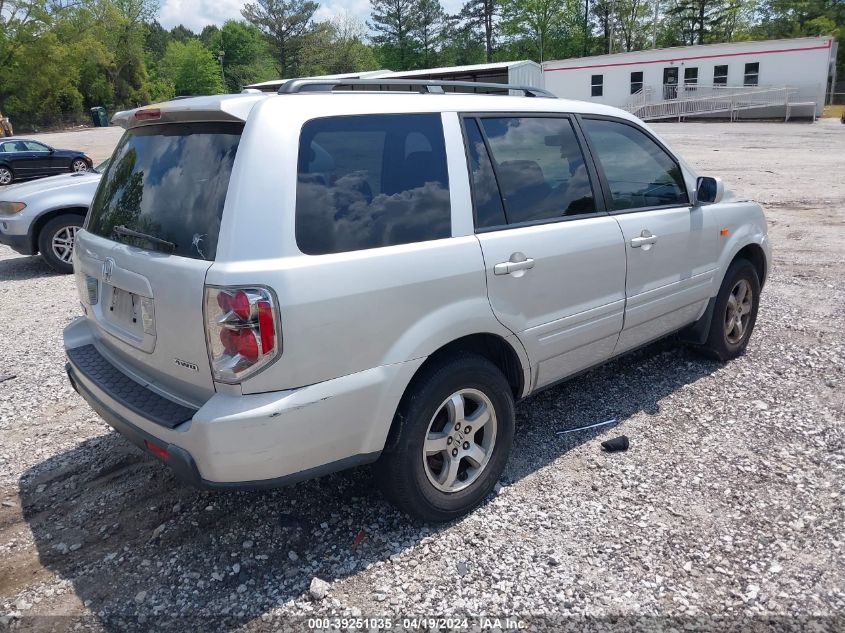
point(727, 511)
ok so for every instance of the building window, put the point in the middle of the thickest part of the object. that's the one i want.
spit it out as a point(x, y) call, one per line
point(720, 75)
point(752, 74)
point(597, 85)
point(690, 76)
point(636, 82)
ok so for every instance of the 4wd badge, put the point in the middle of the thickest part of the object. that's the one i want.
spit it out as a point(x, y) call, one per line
point(186, 364)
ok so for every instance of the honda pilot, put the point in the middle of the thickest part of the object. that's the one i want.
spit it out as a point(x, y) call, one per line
point(276, 287)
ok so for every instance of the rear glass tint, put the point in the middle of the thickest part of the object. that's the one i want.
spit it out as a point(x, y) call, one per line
point(168, 182)
point(370, 181)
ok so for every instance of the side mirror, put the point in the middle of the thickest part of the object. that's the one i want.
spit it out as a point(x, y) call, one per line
point(708, 190)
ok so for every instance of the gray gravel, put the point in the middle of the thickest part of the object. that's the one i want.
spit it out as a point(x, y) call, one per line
point(729, 503)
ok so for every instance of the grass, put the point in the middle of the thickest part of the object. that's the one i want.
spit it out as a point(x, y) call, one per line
point(835, 111)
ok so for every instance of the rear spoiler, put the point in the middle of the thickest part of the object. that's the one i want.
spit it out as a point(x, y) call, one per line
point(231, 108)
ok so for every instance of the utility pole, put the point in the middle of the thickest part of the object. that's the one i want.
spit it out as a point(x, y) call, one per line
point(654, 28)
point(220, 56)
point(586, 24)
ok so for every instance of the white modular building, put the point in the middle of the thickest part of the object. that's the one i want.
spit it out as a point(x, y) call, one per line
point(763, 79)
point(521, 73)
point(745, 79)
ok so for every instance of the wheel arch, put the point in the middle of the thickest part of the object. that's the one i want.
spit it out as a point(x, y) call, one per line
point(39, 222)
point(493, 347)
point(755, 254)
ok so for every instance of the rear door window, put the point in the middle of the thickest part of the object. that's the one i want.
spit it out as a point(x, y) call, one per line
point(169, 183)
point(371, 181)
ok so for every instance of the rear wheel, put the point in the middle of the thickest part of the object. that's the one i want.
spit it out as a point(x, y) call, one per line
point(6, 175)
point(735, 312)
point(454, 433)
point(78, 165)
point(55, 242)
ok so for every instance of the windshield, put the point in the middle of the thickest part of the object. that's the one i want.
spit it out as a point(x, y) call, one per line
point(102, 167)
point(167, 183)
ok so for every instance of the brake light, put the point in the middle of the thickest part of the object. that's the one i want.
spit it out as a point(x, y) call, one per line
point(242, 331)
point(157, 450)
point(150, 113)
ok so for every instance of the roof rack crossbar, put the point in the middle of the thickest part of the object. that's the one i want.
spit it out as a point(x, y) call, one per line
point(295, 86)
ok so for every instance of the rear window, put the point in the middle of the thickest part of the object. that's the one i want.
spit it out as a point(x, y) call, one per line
point(167, 183)
point(370, 181)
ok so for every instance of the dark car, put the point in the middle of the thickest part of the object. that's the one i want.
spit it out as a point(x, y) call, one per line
point(22, 158)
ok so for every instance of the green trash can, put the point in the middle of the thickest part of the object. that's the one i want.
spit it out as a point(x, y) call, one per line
point(99, 117)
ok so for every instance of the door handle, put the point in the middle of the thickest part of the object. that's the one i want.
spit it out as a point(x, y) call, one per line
point(518, 262)
point(646, 239)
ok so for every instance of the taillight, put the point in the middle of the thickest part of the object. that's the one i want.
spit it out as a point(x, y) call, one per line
point(242, 331)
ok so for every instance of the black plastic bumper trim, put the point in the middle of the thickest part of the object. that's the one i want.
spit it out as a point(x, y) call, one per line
point(183, 464)
point(132, 395)
point(19, 243)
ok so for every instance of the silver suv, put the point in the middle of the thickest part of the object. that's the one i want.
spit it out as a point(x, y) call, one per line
point(276, 287)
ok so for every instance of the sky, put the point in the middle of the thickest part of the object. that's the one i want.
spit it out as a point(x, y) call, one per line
point(195, 14)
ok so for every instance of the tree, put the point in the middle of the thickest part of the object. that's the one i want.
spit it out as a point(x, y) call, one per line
point(247, 57)
point(427, 30)
point(337, 46)
point(207, 35)
point(393, 22)
point(603, 11)
point(540, 19)
point(156, 38)
point(480, 16)
point(695, 20)
point(287, 25)
point(182, 34)
point(191, 68)
point(633, 20)
point(460, 46)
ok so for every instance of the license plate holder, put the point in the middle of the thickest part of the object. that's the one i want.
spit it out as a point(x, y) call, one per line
point(124, 311)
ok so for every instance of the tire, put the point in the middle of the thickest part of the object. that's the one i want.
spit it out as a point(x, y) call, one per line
point(7, 176)
point(78, 165)
point(728, 337)
point(61, 230)
point(418, 482)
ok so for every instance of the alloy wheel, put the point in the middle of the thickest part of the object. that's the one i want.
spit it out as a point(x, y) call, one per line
point(738, 311)
point(5, 176)
point(80, 166)
point(63, 241)
point(460, 440)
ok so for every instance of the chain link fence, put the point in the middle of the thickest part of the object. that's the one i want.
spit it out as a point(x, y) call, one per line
point(837, 96)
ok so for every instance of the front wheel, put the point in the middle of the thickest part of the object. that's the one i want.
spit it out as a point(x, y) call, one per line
point(78, 165)
point(735, 312)
point(6, 175)
point(453, 433)
point(55, 242)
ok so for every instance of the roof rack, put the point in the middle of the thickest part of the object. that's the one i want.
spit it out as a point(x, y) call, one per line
point(295, 86)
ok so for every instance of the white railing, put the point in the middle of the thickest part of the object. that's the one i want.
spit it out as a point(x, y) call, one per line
point(676, 101)
point(639, 98)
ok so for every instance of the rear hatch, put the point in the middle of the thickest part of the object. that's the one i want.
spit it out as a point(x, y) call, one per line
point(149, 239)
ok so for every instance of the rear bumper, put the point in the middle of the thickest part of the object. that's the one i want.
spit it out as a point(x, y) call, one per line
point(257, 440)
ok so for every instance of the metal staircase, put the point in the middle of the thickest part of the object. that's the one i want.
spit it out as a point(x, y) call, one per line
point(677, 102)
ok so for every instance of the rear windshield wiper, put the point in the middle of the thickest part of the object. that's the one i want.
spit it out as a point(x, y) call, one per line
point(122, 230)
